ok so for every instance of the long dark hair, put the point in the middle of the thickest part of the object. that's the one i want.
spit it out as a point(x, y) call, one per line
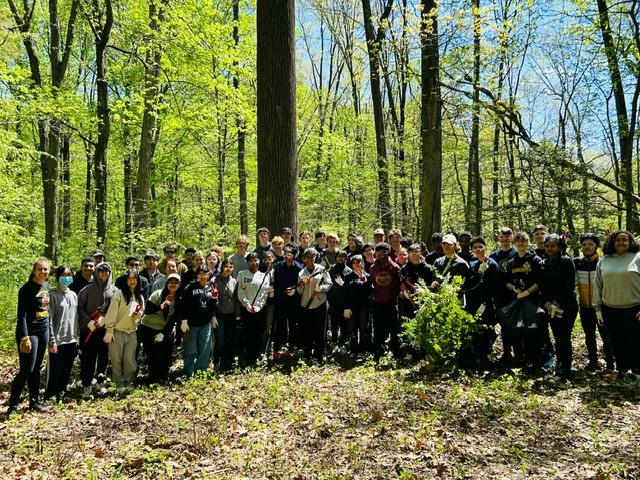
point(137, 293)
point(609, 247)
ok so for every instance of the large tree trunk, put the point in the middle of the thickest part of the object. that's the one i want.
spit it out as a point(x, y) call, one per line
point(277, 202)
point(431, 123)
point(374, 41)
point(65, 181)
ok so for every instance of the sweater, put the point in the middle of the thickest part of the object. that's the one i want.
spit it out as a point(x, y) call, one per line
point(63, 309)
point(617, 281)
point(120, 315)
point(318, 276)
point(95, 296)
point(33, 312)
point(253, 288)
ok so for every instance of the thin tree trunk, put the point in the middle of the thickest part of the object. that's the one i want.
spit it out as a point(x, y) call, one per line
point(241, 129)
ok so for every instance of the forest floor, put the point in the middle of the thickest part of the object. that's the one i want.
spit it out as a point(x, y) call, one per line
point(346, 419)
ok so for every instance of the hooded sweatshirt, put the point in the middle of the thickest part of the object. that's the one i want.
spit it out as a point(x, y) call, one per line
point(95, 296)
point(63, 327)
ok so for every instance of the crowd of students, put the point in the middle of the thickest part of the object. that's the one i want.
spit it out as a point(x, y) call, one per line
point(291, 294)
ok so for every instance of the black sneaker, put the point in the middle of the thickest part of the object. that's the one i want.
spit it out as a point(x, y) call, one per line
point(592, 367)
point(12, 409)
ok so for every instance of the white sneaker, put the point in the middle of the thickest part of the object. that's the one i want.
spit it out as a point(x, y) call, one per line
point(102, 390)
point(86, 392)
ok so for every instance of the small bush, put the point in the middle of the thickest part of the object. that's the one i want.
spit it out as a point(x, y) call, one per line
point(441, 326)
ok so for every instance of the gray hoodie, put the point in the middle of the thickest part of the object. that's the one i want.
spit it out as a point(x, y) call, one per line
point(95, 296)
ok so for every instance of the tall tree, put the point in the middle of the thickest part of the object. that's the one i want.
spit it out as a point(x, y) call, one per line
point(374, 42)
point(241, 126)
point(473, 212)
point(626, 123)
point(101, 21)
point(49, 127)
point(430, 122)
point(277, 199)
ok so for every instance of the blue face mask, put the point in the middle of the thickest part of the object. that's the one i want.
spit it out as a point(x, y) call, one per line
point(65, 281)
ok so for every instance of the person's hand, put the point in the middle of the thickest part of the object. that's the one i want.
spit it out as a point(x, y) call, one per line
point(25, 345)
point(214, 322)
point(99, 322)
point(303, 281)
point(158, 338)
point(607, 232)
point(165, 304)
point(108, 338)
point(347, 313)
point(270, 291)
point(290, 292)
point(317, 289)
point(483, 267)
point(214, 292)
point(53, 349)
point(523, 295)
point(401, 294)
point(339, 281)
point(481, 309)
point(600, 318)
point(184, 326)
point(92, 325)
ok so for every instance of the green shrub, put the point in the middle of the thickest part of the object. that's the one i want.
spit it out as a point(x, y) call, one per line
point(440, 326)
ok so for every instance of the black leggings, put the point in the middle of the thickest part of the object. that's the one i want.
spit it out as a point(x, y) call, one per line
point(30, 364)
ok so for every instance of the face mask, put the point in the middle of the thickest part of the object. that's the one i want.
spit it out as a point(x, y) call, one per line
point(65, 281)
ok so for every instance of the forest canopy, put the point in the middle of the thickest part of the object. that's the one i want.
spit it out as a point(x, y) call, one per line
point(130, 124)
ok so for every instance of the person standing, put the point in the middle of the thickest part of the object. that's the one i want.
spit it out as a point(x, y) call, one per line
point(93, 303)
point(385, 275)
point(84, 276)
point(586, 276)
point(313, 284)
point(63, 334)
point(286, 300)
point(557, 288)
point(32, 335)
point(125, 310)
point(156, 328)
point(617, 301)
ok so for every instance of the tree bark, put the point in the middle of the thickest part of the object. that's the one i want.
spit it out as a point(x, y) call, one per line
point(626, 126)
point(431, 123)
point(277, 199)
point(374, 41)
point(241, 129)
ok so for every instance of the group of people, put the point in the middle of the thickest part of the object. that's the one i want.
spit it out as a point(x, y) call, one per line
point(290, 294)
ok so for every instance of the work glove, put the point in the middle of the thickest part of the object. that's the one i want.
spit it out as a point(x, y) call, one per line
point(483, 267)
point(184, 326)
point(158, 338)
point(214, 322)
point(339, 281)
point(318, 289)
point(92, 325)
point(347, 313)
point(25, 345)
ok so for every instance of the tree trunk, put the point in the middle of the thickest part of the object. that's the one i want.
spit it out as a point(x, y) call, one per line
point(374, 41)
point(149, 134)
point(65, 181)
point(241, 129)
point(431, 123)
point(626, 128)
point(277, 199)
point(101, 38)
point(474, 190)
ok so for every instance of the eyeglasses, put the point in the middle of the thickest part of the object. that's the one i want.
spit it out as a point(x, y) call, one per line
point(136, 264)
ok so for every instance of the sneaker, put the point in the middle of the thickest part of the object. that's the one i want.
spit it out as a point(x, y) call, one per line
point(86, 392)
point(592, 367)
point(38, 407)
point(102, 390)
point(548, 363)
point(12, 409)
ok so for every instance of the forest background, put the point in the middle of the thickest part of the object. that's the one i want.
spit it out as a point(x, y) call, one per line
point(130, 124)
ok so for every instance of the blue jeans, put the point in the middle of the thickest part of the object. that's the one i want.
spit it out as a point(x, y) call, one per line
point(197, 350)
